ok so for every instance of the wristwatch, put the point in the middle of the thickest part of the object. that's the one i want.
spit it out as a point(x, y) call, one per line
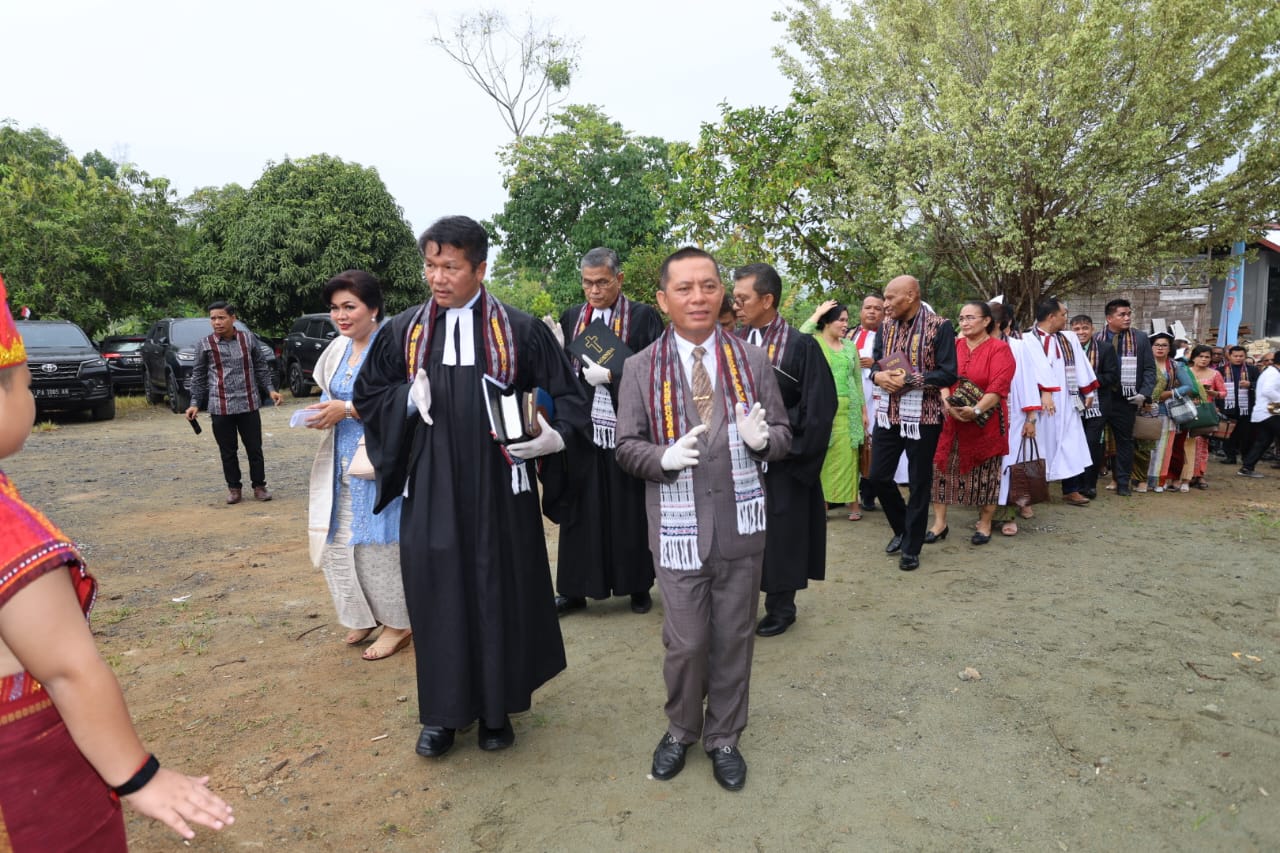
point(347, 410)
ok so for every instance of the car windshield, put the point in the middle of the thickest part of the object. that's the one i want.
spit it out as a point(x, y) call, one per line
point(185, 333)
point(52, 335)
point(121, 346)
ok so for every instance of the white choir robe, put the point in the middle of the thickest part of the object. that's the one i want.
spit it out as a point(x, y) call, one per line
point(1024, 397)
point(1061, 435)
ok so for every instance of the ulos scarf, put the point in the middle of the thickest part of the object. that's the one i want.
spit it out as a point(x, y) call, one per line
point(915, 340)
point(773, 338)
point(670, 419)
point(1237, 398)
point(499, 343)
point(1126, 344)
point(604, 420)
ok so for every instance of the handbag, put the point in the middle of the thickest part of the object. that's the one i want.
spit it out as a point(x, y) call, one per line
point(1027, 482)
point(1181, 409)
point(360, 468)
point(1206, 420)
point(967, 393)
point(1146, 426)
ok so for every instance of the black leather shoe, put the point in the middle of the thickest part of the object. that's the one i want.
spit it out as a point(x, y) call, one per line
point(434, 741)
point(980, 538)
point(729, 767)
point(641, 602)
point(895, 545)
point(909, 562)
point(930, 537)
point(1091, 494)
point(668, 758)
point(1123, 491)
point(565, 604)
point(772, 626)
point(491, 739)
point(869, 507)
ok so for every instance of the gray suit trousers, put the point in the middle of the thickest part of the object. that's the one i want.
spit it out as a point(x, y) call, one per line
point(708, 630)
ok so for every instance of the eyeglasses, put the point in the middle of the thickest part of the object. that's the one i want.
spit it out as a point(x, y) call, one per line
point(597, 285)
point(969, 318)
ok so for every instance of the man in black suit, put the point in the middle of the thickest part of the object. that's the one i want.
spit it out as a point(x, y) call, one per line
point(1122, 398)
point(1107, 368)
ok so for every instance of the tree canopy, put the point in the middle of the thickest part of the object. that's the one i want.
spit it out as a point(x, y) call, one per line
point(93, 241)
point(589, 183)
point(271, 248)
point(1043, 146)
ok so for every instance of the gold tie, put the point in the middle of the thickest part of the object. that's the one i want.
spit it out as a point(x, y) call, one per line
point(701, 386)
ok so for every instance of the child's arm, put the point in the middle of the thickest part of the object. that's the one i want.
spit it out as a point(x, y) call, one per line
point(43, 626)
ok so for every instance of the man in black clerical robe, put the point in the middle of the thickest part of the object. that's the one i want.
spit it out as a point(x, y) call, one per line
point(604, 546)
point(795, 549)
point(472, 550)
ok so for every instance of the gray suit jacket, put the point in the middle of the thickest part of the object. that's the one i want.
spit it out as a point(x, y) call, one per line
point(639, 456)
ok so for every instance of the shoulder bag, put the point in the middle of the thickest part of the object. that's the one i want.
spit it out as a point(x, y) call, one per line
point(1027, 483)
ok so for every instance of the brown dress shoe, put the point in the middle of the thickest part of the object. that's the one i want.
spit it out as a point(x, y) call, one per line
point(1075, 499)
point(260, 493)
point(234, 495)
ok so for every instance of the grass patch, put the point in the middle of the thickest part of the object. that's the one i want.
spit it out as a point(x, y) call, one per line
point(131, 403)
point(45, 426)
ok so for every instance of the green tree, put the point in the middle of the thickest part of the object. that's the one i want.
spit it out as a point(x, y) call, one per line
point(94, 242)
point(271, 248)
point(590, 183)
point(1044, 146)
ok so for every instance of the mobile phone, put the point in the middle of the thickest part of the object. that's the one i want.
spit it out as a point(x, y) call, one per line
point(195, 426)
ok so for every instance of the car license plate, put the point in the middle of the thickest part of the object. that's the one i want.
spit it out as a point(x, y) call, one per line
point(37, 391)
point(131, 361)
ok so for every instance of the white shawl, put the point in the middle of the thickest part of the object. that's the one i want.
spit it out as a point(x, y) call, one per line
point(320, 505)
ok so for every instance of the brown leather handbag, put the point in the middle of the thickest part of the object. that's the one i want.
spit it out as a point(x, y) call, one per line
point(1027, 483)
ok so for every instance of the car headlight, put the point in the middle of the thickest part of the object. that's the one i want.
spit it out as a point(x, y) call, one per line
point(186, 356)
point(93, 362)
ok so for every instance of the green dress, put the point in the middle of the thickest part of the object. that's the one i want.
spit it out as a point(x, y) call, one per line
point(840, 468)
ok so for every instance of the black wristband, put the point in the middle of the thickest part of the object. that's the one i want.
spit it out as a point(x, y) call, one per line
point(139, 780)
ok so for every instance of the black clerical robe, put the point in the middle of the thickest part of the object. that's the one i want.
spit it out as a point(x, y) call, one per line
point(795, 550)
point(472, 553)
point(604, 547)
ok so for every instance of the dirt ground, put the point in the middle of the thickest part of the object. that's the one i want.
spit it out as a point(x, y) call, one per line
point(1127, 698)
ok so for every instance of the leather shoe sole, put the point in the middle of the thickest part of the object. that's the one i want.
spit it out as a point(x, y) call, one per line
point(772, 626)
point(434, 741)
point(894, 546)
point(641, 602)
point(909, 562)
point(565, 604)
point(494, 739)
point(729, 767)
point(668, 758)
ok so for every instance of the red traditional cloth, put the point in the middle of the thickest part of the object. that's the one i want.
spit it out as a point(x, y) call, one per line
point(41, 769)
point(990, 366)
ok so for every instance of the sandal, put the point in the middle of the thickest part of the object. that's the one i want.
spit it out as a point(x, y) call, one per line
point(1141, 488)
point(392, 644)
point(356, 636)
point(1184, 487)
point(1009, 528)
point(1026, 512)
point(855, 516)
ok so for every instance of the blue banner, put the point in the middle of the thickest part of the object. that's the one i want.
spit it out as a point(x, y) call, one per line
point(1232, 300)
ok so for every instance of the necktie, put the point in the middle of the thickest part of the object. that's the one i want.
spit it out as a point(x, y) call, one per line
point(701, 386)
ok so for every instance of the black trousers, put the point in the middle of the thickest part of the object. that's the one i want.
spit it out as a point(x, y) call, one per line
point(1119, 414)
point(908, 518)
point(249, 427)
point(1240, 442)
point(1093, 433)
point(1263, 435)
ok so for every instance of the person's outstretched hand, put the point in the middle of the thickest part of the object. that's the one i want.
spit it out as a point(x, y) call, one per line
point(177, 801)
point(753, 429)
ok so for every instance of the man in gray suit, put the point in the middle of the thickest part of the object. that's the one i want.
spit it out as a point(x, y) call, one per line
point(698, 410)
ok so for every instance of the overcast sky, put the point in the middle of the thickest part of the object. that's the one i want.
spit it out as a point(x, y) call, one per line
point(206, 93)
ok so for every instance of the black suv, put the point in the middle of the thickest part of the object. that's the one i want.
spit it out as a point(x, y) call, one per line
point(67, 372)
point(124, 360)
point(310, 334)
point(169, 355)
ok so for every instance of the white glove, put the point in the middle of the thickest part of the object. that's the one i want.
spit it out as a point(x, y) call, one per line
point(753, 429)
point(684, 453)
point(595, 374)
point(1138, 400)
point(555, 328)
point(420, 394)
point(544, 444)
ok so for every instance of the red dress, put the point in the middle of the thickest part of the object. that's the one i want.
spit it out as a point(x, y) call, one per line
point(51, 798)
point(990, 366)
